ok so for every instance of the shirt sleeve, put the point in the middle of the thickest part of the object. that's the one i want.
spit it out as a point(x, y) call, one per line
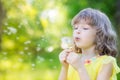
point(109, 59)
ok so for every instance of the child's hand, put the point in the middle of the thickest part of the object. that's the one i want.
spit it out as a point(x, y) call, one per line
point(63, 56)
point(74, 60)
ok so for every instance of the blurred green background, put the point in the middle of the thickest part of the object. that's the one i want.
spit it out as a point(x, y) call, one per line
point(31, 32)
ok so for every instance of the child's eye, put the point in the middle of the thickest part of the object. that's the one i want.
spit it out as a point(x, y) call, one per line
point(85, 28)
point(75, 28)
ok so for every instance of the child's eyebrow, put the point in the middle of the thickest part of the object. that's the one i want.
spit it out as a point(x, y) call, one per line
point(74, 26)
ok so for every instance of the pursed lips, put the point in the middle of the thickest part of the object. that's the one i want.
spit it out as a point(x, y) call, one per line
point(76, 38)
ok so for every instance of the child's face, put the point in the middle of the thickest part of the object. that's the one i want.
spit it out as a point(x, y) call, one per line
point(84, 35)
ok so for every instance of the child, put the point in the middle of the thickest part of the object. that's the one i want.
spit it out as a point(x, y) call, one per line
point(93, 56)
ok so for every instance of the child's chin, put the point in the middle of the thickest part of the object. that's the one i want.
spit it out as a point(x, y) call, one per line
point(79, 46)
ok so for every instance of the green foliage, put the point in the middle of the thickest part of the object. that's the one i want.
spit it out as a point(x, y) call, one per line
point(32, 33)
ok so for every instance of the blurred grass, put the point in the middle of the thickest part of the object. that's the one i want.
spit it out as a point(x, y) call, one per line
point(12, 68)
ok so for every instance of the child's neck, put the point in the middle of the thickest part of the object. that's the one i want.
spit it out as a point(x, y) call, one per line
point(89, 52)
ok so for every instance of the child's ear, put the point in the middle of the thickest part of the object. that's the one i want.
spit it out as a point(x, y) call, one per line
point(95, 41)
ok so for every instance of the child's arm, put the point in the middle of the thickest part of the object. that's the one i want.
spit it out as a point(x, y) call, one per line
point(105, 72)
point(63, 73)
point(62, 57)
point(75, 61)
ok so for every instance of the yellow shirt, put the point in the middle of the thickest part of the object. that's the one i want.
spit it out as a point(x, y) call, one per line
point(93, 66)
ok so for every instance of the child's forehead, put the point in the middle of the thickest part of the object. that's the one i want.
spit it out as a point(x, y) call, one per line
point(82, 21)
point(82, 24)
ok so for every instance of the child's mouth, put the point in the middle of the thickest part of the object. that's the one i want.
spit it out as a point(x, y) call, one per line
point(77, 38)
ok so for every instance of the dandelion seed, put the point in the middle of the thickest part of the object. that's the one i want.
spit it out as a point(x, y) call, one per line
point(26, 48)
point(38, 49)
point(29, 53)
point(27, 42)
point(12, 30)
point(41, 59)
point(20, 60)
point(33, 65)
point(21, 52)
point(17, 38)
point(51, 60)
point(50, 49)
point(4, 53)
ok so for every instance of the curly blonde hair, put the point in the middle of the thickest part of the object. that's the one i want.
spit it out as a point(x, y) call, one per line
point(106, 37)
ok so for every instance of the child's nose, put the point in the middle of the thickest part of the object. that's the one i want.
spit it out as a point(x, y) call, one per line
point(78, 32)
